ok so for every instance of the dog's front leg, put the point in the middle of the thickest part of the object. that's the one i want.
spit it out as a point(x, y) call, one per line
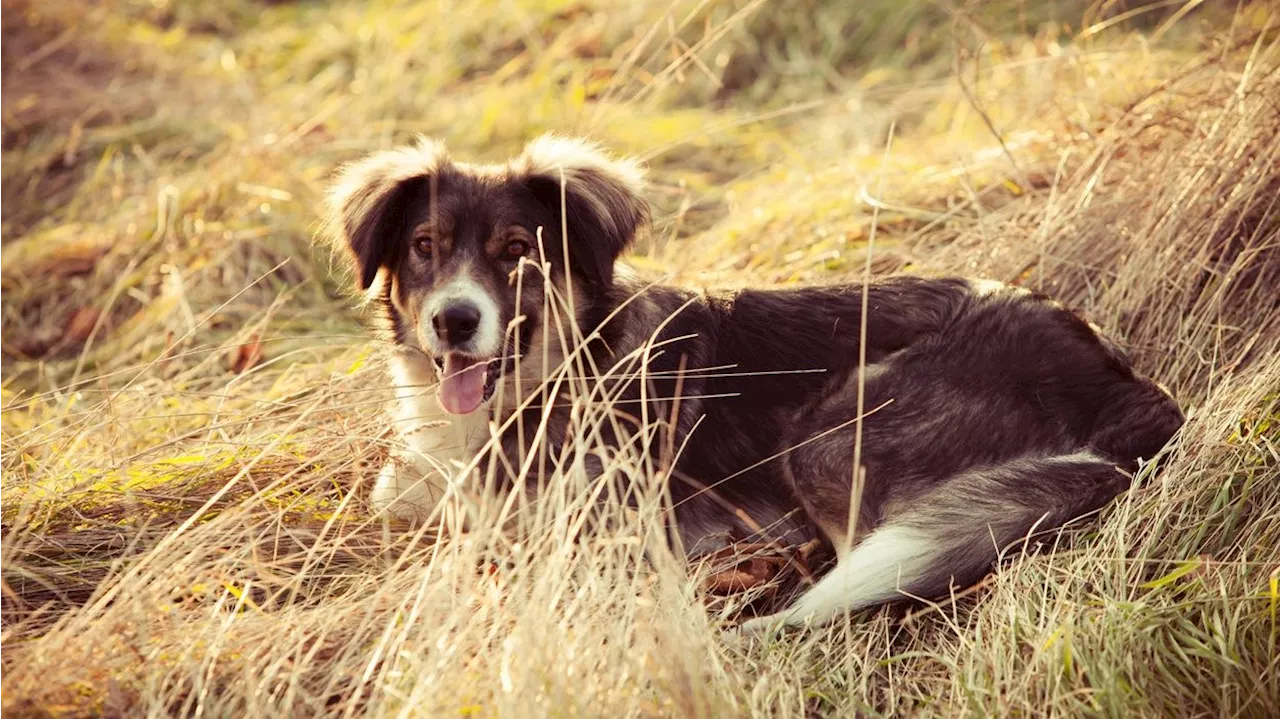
point(434, 444)
point(408, 487)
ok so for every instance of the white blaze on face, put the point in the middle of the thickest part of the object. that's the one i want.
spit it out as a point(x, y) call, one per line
point(463, 289)
point(464, 375)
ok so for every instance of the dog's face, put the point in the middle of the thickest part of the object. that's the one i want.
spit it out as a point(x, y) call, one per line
point(466, 285)
point(462, 255)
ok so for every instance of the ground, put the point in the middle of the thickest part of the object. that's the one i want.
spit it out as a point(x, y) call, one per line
point(193, 399)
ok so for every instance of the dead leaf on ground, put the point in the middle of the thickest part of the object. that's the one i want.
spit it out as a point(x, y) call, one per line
point(247, 355)
point(42, 341)
point(752, 564)
point(747, 574)
point(80, 325)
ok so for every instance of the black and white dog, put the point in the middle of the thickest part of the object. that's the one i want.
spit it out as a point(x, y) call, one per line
point(988, 412)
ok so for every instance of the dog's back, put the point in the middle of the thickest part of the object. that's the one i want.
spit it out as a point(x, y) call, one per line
point(991, 413)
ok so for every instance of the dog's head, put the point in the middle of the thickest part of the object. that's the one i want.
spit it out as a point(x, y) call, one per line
point(462, 254)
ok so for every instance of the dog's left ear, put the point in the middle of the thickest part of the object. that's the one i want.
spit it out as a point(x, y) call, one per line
point(602, 199)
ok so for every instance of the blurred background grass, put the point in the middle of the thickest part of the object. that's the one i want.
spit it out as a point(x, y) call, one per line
point(176, 351)
point(159, 157)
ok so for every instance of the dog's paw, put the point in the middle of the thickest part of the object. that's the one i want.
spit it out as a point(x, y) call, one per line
point(405, 492)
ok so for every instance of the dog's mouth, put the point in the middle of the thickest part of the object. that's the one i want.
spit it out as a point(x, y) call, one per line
point(466, 382)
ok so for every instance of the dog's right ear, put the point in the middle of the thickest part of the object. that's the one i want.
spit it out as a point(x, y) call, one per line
point(366, 203)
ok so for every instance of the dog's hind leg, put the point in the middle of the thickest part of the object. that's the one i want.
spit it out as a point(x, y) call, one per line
point(954, 533)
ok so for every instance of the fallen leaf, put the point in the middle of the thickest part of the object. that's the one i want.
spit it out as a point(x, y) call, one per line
point(247, 355)
point(80, 325)
point(748, 574)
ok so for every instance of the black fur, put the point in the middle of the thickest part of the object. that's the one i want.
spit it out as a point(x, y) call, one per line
point(989, 413)
point(600, 226)
point(373, 219)
point(960, 382)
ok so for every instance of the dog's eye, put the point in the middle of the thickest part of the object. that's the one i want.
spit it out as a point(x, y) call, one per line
point(423, 245)
point(515, 249)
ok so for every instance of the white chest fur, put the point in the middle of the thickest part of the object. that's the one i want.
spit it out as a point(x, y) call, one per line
point(434, 444)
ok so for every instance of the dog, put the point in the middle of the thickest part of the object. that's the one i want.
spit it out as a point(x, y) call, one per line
point(977, 413)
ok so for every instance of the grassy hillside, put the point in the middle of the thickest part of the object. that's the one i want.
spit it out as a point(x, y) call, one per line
point(193, 408)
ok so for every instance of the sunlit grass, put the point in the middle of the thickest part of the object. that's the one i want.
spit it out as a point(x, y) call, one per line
point(185, 530)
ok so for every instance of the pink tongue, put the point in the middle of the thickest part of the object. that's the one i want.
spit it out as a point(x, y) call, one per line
point(462, 389)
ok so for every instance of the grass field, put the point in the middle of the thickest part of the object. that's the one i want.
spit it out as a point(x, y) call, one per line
point(193, 407)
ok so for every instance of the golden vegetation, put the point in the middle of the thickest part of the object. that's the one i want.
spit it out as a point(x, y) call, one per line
point(192, 411)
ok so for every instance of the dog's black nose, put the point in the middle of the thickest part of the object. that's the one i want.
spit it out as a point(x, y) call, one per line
point(456, 323)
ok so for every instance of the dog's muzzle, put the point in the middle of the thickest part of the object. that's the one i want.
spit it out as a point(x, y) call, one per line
point(467, 377)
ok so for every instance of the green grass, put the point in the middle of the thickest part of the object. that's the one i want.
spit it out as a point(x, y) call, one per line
point(181, 537)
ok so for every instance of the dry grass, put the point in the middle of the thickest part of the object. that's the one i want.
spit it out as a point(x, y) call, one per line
point(192, 415)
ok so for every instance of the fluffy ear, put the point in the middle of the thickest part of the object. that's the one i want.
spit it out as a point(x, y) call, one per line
point(603, 200)
point(366, 202)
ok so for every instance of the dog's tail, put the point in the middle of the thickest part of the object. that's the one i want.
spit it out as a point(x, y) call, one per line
point(954, 533)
